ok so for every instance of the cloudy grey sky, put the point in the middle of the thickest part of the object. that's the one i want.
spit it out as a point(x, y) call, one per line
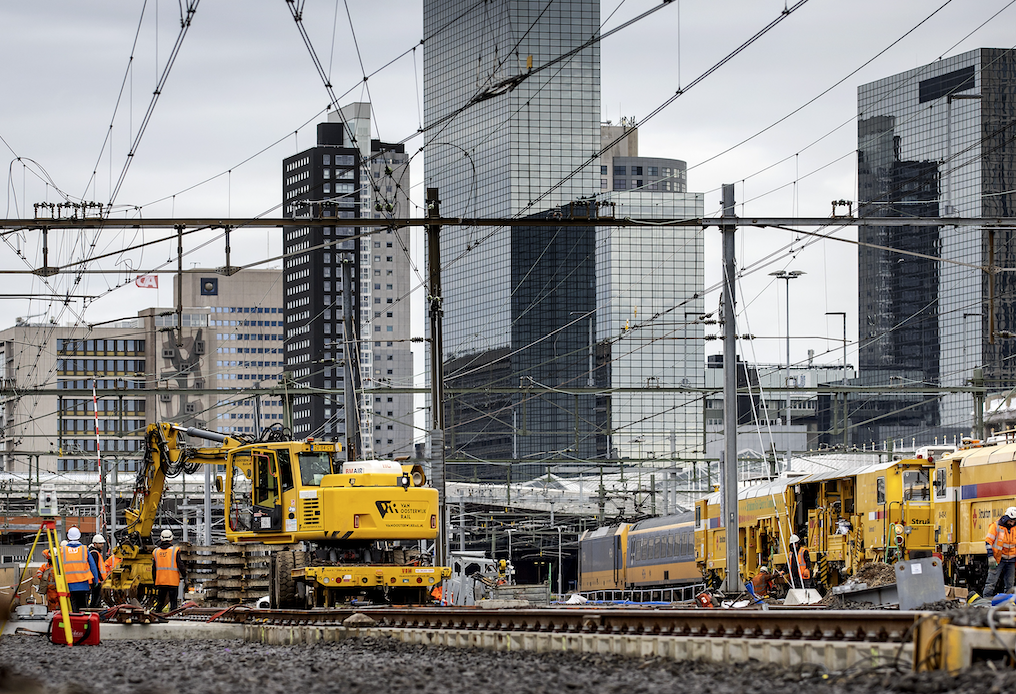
point(243, 93)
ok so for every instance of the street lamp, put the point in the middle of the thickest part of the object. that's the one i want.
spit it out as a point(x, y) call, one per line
point(844, 315)
point(786, 276)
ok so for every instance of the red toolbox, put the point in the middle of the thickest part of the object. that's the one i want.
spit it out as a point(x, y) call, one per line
point(84, 629)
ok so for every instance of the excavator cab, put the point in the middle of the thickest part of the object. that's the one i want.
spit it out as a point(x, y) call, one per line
point(267, 511)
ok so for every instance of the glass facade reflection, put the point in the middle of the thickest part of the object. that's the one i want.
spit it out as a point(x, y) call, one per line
point(936, 141)
point(649, 301)
point(498, 139)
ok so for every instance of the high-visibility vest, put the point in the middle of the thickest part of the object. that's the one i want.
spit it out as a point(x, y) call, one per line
point(112, 561)
point(802, 567)
point(75, 564)
point(100, 563)
point(1002, 541)
point(166, 573)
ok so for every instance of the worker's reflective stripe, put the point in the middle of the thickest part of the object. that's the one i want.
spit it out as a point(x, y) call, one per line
point(801, 567)
point(166, 573)
point(75, 564)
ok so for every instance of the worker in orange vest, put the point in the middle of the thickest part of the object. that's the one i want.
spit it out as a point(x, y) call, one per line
point(800, 564)
point(47, 583)
point(169, 571)
point(96, 550)
point(79, 569)
point(1000, 545)
point(112, 561)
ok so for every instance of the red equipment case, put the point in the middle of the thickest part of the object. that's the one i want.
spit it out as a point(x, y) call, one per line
point(84, 629)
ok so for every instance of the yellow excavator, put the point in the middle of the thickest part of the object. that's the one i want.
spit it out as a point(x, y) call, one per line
point(346, 518)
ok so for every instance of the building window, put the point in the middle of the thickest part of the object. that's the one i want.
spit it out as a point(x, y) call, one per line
point(620, 171)
point(654, 170)
point(620, 183)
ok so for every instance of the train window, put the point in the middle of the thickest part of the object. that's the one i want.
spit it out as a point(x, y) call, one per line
point(940, 483)
point(915, 485)
point(880, 490)
point(698, 517)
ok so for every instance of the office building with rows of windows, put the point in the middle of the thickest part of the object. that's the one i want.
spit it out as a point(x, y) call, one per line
point(146, 369)
point(935, 141)
point(505, 141)
point(348, 176)
point(649, 287)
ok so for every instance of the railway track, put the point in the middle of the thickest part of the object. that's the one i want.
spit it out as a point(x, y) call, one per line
point(867, 626)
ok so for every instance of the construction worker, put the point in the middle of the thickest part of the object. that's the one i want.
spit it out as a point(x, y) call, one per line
point(47, 583)
point(96, 550)
point(762, 582)
point(1000, 545)
point(79, 569)
point(169, 571)
point(112, 561)
point(800, 564)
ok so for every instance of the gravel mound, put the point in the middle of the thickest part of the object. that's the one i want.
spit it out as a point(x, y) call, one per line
point(32, 664)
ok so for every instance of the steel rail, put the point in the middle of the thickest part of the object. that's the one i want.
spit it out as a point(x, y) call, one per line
point(795, 624)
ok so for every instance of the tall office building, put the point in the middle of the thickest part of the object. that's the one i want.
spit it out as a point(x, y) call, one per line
point(936, 141)
point(348, 175)
point(649, 287)
point(500, 137)
point(506, 139)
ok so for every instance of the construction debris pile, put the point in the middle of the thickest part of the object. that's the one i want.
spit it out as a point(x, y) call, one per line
point(871, 575)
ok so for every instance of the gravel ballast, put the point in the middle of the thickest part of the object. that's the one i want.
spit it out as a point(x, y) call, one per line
point(368, 666)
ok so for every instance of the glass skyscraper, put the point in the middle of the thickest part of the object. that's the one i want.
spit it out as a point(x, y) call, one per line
point(649, 286)
point(936, 141)
point(500, 135)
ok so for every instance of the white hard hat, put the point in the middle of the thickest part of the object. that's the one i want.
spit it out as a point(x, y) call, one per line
point(166, 535)
point(73, 533)
point(794, 539)
point(763, 568)
point(63, 543)
point(1011, 512)
point(98, 539)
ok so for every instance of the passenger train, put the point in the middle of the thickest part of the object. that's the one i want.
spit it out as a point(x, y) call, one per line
point(941, 502)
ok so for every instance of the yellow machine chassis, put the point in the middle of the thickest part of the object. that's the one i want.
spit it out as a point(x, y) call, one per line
point(353, 578)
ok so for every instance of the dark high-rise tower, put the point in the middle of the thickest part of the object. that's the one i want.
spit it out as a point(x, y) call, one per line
point(936, 141)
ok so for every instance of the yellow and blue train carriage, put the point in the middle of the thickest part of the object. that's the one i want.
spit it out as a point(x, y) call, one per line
point(661, 552)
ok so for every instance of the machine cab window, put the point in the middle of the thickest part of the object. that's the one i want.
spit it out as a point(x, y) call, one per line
point(880, 490)
point(313, 467)
point(940, 483)
point(915, 485)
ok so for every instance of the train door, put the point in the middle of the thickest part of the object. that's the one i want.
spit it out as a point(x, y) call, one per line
point(266, 491)
point(917, 511)
point(618, 552)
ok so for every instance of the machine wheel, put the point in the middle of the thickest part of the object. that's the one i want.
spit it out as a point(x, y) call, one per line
point(283, 587)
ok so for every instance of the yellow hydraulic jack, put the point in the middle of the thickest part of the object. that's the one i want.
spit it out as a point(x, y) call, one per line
point(49, 527)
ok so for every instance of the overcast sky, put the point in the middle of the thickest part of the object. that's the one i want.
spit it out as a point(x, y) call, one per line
point(243, 94)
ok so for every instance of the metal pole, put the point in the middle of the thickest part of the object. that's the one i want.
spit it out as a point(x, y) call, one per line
point(437, 370)
point(559, 584)
point(787, 276)
point(732, 580)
